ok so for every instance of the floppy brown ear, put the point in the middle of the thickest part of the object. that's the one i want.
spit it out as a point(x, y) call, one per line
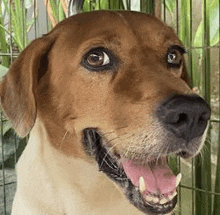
point(17, 90)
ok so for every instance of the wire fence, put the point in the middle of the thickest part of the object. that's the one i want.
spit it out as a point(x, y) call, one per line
point(197, 24)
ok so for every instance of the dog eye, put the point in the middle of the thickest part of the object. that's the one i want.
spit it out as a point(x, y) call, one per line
point(174, 58)
point(99, 59)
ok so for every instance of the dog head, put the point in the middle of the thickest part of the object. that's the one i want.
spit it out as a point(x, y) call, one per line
point(112, 87)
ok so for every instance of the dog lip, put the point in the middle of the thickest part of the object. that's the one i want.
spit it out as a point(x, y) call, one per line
point(162, 208)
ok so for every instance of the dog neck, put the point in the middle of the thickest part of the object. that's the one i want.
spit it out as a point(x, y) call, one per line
point(77, 186)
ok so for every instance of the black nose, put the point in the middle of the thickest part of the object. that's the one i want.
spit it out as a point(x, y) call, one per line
point(184, 115)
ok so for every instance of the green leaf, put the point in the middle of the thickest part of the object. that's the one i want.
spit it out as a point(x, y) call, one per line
point(28, 4)
point(3, 42)
point(170, 5)
point(125, 4)
point(30, 22)
point(103, 5)
point(6, 126)
point(61, 14)
point(86, 6)
point(214, 29)
point(173, 164)
point(215, 39)
point(54, 9)
point(214, 23)
point(199, 37)
point(3, 71)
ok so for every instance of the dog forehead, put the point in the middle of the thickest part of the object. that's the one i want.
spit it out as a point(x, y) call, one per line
point(108, 26)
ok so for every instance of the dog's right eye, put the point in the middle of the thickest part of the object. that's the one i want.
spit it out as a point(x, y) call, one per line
point(98, 59)
point(174, 56)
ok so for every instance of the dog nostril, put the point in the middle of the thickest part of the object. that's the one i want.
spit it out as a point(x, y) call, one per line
point(182, 118)
point(182, 154)
point(177, 119)
point(201, 120)
point(204, 117)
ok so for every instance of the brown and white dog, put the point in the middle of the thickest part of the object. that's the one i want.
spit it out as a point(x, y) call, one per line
point(107, 98)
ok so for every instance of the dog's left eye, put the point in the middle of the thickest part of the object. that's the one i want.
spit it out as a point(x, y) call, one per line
point(98, 59)
point(174, 56)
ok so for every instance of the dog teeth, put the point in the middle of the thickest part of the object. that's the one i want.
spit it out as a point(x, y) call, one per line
point(142, 186)
point(155, 200)
point(170, 197)
point(163, 201)
point(178, 179)
point(152, 199)
point(149, 198)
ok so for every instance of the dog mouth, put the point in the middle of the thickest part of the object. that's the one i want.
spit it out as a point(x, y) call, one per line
point(155, 182)
point(151, 187)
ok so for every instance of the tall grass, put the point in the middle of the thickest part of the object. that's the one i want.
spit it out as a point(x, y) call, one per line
point(3, 43)
point(19, 25)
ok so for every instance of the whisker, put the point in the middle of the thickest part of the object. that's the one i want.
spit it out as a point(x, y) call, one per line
point(110, 132)
point(106, 154)
point(60, 146)
point(104, 160)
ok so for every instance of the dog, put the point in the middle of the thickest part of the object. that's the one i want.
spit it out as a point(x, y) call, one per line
point(106, 98)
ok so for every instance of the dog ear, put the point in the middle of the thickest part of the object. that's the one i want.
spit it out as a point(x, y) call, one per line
point(18, 88)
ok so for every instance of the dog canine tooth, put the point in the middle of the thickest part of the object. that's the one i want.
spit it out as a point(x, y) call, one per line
point(148, 198)
point(178, 179)
point(142, 185)
point(155, 200)
point(164, 200)
point(170, 197)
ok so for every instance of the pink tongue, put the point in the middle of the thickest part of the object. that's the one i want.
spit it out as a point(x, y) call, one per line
point(158, 177)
